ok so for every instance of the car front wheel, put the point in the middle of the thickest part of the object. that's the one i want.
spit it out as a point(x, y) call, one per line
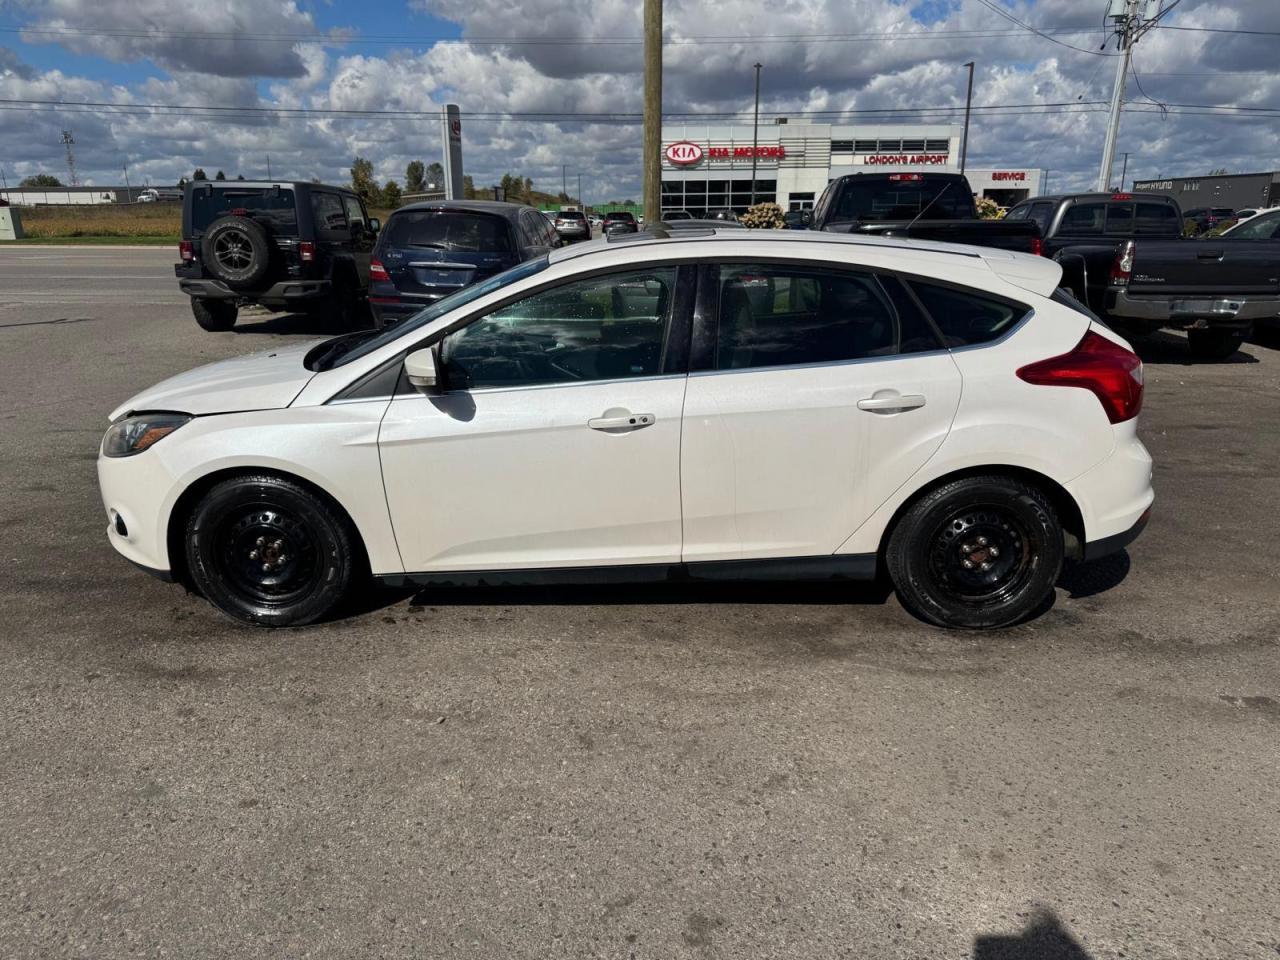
point(980, 552)
point(265, 550)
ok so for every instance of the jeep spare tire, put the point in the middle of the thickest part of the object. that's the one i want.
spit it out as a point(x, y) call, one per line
point(236, 251)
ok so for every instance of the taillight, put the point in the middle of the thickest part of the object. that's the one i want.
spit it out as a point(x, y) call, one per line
point(185, 250)
point(1037, 247)
point(1122, 196)
point(1113, 373)
point(306, 251)
point(377, 271)
point(908, 177)
point(1122, 265)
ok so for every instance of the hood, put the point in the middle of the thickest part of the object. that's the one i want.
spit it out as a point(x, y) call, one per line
point(260, 381)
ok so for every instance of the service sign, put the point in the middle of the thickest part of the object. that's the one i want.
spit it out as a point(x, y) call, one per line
point(683, 153)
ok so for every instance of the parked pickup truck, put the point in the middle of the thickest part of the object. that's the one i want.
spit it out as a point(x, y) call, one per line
point(1214, 289)
point(925, 206)
point(1084, 231)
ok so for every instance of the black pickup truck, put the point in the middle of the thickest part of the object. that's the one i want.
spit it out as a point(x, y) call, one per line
point(924, 206)
point(1214, 289)
point(1084, 232)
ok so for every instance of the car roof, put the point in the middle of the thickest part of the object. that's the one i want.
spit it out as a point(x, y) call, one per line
point(498, 207)
point(267, 185)
point(1128, 194)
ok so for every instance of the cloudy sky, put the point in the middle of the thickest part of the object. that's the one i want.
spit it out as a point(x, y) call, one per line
point(252, 59)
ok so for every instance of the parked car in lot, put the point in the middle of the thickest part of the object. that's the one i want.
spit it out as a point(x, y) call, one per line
point(283, 246)
point(723, 225)
point(1262, 225)
point(722, 213)
point(572, 226)
point(619, 221)
point(1206, 217)
point(762, 404)
point(927, 206)
point(1215, 289)
point(432, 249)
point(1084, 232)
point(670, 216)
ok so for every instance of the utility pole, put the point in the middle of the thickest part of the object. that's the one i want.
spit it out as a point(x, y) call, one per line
point(68, 141)
point(1126, 23)
point(755, 136)
point(968, 106)
point(652, 111)
point(128, 193)
point(581, 206)
point(1124, 169)
point(564, 181)
point(268, 166)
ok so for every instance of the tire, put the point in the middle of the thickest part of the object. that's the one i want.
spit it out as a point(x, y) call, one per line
point(1214, 344)
point(266, 551)
point(237, 251)
point(1005, 523)
point(346, 310)
point(216, 316)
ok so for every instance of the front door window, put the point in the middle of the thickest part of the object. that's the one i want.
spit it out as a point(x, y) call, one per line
point(605, 328)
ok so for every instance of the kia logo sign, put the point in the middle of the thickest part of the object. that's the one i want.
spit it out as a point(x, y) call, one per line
point(683, 154)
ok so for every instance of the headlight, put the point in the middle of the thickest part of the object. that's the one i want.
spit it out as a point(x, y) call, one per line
point(134, 434)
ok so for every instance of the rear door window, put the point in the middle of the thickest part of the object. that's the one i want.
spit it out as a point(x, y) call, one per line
point(1041, 213)
point(330, 218)
point(1120, 219)
point(965, 318)
point(1083, 218)
point(1156, 219)
point(268, 206)
point(455, 230)
point(773, 315)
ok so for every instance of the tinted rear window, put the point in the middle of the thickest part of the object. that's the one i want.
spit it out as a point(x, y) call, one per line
point(885, 200)
point(966, 318)
point(273, 208)
point(571, 215)
point(448, 230)
point(619, 216)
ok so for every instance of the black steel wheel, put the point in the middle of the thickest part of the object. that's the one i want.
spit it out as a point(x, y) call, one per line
point(1214, 344)
point(265, 550)
point(977, 552)
point(236, 250)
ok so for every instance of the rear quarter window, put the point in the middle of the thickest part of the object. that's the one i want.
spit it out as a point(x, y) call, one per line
point(965, 318)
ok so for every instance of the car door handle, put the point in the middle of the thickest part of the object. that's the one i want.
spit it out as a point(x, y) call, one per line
point(630, 421)
point(890, 404)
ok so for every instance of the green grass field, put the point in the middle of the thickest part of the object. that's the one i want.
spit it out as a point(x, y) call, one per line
point(108, 223)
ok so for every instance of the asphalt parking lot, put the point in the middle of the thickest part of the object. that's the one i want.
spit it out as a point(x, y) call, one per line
point(654, 772)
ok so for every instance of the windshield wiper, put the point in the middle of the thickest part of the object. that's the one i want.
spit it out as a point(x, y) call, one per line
point(339, 346)
point(432, 246)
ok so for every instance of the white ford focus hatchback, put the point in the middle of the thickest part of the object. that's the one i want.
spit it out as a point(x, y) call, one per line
point(752, 404)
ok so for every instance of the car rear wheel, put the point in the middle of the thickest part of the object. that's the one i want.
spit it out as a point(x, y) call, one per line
point(215, 316)
point(1214, 344)
point(266, 551)
point(976, 553)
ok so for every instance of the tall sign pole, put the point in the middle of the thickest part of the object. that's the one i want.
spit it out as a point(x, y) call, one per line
point(652, 111)
point(968, 106)
point(755, 136)
point(451, 137)
point(1126, 20)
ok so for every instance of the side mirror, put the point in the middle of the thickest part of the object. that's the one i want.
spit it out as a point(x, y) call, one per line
point(375, 225)
point(806, 218)
point(422, 367)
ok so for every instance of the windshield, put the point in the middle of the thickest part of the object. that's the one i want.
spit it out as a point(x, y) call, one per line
point(448, 230)
point(878, 202)
point(342, 350)
point(1264, 227)
point(269, 206)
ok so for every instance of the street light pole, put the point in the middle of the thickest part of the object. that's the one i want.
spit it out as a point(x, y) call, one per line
point(581, 206)
point(755, 141)
point(1124, 169)
point(968, 106)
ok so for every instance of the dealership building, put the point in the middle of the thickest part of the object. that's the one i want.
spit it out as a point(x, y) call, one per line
point(1237, 191)
point(708, 166)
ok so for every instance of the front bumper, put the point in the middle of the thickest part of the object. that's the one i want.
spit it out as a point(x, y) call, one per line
point(133, 491)
point(286, 291)
point(1192, 312)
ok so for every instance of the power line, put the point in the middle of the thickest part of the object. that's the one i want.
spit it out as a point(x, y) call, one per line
point(1249, 33)
point(996, 8)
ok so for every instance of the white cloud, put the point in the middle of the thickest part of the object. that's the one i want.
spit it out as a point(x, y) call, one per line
point(605, 77)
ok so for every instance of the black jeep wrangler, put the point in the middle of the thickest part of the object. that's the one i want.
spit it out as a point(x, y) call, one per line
point(283, 246)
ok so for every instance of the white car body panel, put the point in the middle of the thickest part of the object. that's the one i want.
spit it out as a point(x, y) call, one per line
point(515, 478)
point(780, 462)
point(758, 463)
point(266, 380)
